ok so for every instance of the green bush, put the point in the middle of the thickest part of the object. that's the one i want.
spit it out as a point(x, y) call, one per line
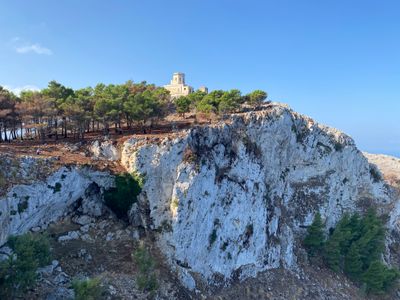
point(375, 174)
point(88, 289)
point(213, 237)
point(57, 187)
point(183, 105)
point(22, 205)
point(18, 272)
point(147, 279)
point(124, 194)
point(256, 97)
point(355, 246)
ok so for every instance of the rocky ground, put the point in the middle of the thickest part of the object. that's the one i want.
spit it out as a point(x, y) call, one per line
point(315, 282)
point(86, 247)
point(388, 165)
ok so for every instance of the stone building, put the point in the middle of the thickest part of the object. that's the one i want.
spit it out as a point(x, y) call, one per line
point(203, 89)
point(178, 87)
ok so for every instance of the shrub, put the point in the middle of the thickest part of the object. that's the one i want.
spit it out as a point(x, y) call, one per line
point(88, 289)
point(174, 203)
point(124, 194)
point(23, 205)
point(189, 156)
point(57, 187)
point(18, 272)
point(375, 174)
point(147, 279)
point(338, 146)
point(213, 237)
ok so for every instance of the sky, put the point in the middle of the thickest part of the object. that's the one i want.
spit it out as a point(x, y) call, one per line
point(337, 61)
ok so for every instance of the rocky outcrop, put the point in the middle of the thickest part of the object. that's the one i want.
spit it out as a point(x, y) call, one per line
point(104, 150)
point(388, 165)
point(35, 205)
point(232, 199)
point(224, 201)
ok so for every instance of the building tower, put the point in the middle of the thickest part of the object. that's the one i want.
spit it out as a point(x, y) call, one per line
point(178, 78)
point(177, 86)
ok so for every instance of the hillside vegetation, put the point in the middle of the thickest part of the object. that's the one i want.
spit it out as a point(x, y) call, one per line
point(59, 111)
point(355, 247)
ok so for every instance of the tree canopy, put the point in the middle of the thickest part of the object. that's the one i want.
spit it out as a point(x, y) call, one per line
point(59, 111)
point(354, 246)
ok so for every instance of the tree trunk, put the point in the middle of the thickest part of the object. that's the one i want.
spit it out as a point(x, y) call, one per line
point(22, 132)
point(65, 128)
point(56, 128)
point(5, 134)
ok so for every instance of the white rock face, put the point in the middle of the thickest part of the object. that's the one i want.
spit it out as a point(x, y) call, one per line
point(227, 200)
point(105, 150)
point(230, 200)
point(390, 169)
point(36, 205)
point(388, 165)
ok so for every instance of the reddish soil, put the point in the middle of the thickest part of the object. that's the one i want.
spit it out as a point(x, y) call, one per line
point(61, 148)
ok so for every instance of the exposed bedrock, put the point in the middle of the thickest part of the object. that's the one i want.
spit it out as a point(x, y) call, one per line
point(232, 199)
point(35, 205)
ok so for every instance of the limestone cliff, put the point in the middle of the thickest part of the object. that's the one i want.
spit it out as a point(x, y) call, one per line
point(224, 201)
point(37, 202)
point(232, 199)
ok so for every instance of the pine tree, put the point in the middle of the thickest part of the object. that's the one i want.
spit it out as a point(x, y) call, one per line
point(371, 241)
point(343, 233)
point(391, 275)
point(332, 251)
point(379, 277)
point(352, 263)
point(314, 240)
point(373, 277)
point(355, 225)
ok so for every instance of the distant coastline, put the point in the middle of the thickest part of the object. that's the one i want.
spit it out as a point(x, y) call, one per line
point(390, 153)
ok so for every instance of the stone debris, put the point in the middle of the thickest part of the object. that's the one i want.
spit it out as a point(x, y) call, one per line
point(85, 255)
point(61, 278)
point(86, 237)
point(72, 235)
point(61, 293)
point(104, 150)
point(5, 253)
point(112, 290)
point(83, 220)
point(46, 271)
point(109, 236)
point(36, 229)
point(103, 224)
point(85, 228)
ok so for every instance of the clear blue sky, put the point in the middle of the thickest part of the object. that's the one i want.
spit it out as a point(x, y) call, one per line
point(337, 61)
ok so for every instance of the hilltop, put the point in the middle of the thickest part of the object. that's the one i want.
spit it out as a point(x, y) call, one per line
point(223, 207)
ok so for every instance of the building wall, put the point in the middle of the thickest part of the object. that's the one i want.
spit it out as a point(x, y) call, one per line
point(178, 87)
